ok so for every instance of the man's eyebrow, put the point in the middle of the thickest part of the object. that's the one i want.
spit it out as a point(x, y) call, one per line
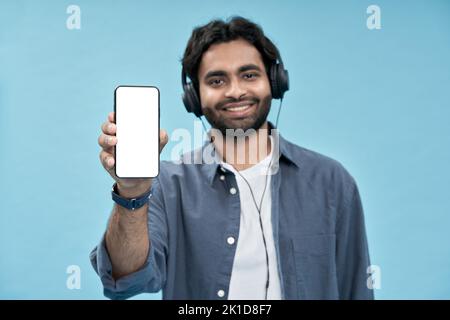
point(215, 73)
point(220, 73)
point(248, 67)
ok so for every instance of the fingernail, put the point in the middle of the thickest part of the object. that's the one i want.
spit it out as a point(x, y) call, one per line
point(110, 127)
point(110, 162)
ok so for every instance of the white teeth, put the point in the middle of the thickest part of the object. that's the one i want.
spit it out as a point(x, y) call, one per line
point(241, 108)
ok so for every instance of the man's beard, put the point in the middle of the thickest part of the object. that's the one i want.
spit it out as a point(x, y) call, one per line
point(254, 121)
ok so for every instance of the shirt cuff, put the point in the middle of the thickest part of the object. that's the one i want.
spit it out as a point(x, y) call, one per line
point(127, 286)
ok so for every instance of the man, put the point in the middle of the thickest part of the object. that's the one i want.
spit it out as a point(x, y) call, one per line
point(221, 229)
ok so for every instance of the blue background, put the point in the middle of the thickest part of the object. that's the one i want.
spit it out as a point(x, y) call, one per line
point(376, 100)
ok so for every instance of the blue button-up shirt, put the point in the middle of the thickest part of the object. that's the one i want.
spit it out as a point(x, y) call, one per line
point(317, 220)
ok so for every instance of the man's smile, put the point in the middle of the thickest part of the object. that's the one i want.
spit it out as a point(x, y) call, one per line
point(239, 110)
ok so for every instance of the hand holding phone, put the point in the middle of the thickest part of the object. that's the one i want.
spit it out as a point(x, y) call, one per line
point(133, 181)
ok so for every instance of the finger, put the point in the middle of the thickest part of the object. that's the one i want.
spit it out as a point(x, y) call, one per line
point(109, 150)
point(164, 138)
point(111, 117)
point(106, 141)
point(107, 160)
point(109, 128)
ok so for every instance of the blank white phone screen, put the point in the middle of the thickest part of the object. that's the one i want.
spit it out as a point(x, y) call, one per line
point(137, 123)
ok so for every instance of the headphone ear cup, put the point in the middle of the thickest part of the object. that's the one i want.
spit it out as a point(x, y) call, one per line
point(273, 81)
point(185, 99)
point(191, 100)
point(279, 79)
point(283, 80)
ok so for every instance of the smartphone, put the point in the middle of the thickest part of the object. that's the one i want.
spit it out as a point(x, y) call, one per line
point(136, 110)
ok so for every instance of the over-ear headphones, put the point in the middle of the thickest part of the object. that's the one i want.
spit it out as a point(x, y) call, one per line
point(278, 78)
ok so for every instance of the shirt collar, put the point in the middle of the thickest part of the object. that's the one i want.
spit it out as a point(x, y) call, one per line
point(211, 169)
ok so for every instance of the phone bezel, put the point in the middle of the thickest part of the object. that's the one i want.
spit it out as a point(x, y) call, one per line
point(159, 140)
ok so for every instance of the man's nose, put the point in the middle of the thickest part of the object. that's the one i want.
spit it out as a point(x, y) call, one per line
point(235, 90)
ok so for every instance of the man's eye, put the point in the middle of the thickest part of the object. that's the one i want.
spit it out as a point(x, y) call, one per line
point(216, 82)
point(250, 75)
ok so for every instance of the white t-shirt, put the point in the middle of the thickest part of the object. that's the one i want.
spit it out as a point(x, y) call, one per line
point(249, 273)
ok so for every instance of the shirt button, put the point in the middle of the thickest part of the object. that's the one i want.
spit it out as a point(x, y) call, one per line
point(233, 190)
point(222, 177)
point(221, 293)
point(230, 240)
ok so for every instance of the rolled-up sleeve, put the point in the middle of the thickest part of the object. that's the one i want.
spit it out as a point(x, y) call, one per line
point(352, 252)
point(152, 276)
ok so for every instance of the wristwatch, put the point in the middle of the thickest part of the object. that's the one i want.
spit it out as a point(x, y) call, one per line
point(130, 204)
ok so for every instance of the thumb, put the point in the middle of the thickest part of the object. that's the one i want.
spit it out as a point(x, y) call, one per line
point(163, 139)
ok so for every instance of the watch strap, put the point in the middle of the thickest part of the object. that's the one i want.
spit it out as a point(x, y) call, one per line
point(133, 203)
